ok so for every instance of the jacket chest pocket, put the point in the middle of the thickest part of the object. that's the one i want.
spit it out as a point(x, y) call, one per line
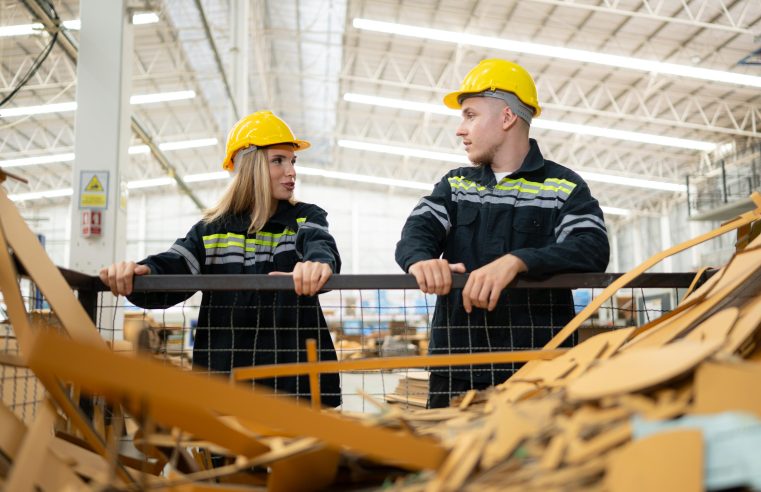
point(464, 230)
point(531, 231)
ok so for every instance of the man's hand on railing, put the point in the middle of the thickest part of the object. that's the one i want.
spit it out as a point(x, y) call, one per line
point(435, 276)
point(118, 277)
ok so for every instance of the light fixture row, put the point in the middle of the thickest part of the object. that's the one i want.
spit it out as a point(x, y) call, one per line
point(558, 52)
point(64, 107)
point(73, 24)
point(307, 171)
point(542, 123)
point(134, 149)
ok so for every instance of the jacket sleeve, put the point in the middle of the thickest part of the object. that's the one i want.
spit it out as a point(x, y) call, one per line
point(313, 240)
point(184, 257)
point(581, 239)
point(425, 233)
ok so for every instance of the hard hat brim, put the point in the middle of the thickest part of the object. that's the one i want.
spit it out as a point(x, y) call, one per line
point(301, 145)
point(451, 100)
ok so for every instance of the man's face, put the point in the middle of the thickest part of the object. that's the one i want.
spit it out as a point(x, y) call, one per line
point(481, 128)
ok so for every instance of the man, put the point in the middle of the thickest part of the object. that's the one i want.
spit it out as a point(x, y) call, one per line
point(511, 212)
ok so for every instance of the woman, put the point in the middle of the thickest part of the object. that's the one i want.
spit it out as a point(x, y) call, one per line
point(256, 228)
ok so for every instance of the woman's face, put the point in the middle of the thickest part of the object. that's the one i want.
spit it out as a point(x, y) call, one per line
point(282, 161)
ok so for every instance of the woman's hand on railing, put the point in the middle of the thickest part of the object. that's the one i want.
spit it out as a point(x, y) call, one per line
point(118, 277)
point(308, 277)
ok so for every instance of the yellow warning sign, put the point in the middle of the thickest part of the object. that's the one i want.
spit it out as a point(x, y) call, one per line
point(94, 185)
point(93, 190)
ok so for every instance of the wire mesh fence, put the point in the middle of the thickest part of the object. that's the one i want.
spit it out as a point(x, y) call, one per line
point(217, 324)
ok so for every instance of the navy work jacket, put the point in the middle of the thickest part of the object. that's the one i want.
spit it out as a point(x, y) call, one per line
point(544, 214)
point(246, 328)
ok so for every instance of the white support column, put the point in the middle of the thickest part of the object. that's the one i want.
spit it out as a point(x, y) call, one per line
point(102, 134)
point(668, 266)
point(615, 263)
point(355, 223)
point(239, 25)
point(637, 242)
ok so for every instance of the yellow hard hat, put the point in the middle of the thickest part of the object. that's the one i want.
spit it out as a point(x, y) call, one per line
point(493, 74)
point(259, 129)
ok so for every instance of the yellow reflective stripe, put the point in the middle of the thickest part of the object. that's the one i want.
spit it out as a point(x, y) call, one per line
point(229, 239)
point(519, 184)
point(515, 184)
point(261, 242)
point(223, 245)
point(301, 219)
point(459, 182)
point(224, 236)
point(286, 232)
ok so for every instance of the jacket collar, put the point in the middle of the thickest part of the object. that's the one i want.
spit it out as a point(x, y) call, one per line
point(284, 215)
point(532, 162)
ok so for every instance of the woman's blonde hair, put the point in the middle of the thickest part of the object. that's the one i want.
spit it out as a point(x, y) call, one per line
point(248, 193)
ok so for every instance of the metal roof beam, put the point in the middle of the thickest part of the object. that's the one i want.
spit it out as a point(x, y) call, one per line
point(40, 10)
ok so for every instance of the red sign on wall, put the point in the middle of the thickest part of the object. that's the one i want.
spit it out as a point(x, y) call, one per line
point(92, 225)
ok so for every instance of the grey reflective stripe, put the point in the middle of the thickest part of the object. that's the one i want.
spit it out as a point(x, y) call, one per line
point(540, 203)
point(312, 225)
point(570, 217)
point(224, 250)
point(191, 260)
point(423, 209)
point(263, 253)
point(280, 248)
point(439, 208)
point(219, 260)
point(510, 200)
point(585, 224)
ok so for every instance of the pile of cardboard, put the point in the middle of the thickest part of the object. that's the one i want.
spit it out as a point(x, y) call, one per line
point(411, 390)
point(571, 422)
point(585, 418)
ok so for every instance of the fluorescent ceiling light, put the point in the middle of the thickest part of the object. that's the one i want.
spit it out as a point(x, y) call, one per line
point(179, 145)
point(404, 151)
point(40, 159)
point(135, 149)
point(461, 159)
point(145, 18)
point(72, 106)
point(623, 135)
point(41, 109)
point(74, 25)
point(149, 183)
point(195, 178)
point(540, 123)
point(615, 211)
point(550, 51)
point(638, 183)
point(36, 195)
point(388, 102)
point(161, 97)
point(361, 178)
point(20, 30)
point(188, 144)
point(307, 171)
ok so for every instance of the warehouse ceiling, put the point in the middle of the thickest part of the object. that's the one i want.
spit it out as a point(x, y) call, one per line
point(636, 94)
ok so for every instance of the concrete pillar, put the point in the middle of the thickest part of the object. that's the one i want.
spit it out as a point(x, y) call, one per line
point(239, 25)
point(668, 265)
point(102, 135)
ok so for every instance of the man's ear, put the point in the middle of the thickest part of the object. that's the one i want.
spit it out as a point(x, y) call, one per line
point(509, 119)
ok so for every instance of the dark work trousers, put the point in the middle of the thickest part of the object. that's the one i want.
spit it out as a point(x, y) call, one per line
point(441, 389)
